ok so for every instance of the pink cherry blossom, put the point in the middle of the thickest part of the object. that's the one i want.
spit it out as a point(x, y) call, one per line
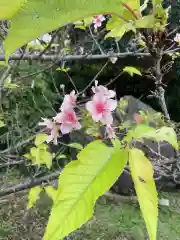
point(103, 91)
point(101, 109)
point(138, 118)
point(177, 38)
point(110, 131)
point(69, 101)
point(98, 21)
point(54, 130)
point(68, 120)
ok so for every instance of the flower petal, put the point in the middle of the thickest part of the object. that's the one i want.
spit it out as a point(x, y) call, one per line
point(107, 118)
point(90, 106)
point(111, 104)
point(66, 128)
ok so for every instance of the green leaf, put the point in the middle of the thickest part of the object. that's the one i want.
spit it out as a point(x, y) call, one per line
point(60, 156)
point(33, 196)
point(164, 134)
point(46, 158)
point(28, 156)
point(145, 22)
point(40, 156)
point(8, 84)
point(41, 138)
point(118, 27)
point(1, 124)
point(156, 2)
point(80, 185)
point(139, 132)
point(132, 71)
point(76, 145)
point(9, 8)
point(42, 16)
point(142, 174)
point(63, 69)
point(51, 192)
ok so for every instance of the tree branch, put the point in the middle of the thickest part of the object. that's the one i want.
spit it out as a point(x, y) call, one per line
point(160, 89)
point(18, 56)
point(28, 185)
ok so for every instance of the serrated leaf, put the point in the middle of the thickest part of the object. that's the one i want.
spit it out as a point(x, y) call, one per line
point(42, 16)
point(132, 71)
point(41, 138)
point(80, 185)
point(10, 8)
point(33, 196)
point(76, 145)
point(142, 174)
point(51, 192)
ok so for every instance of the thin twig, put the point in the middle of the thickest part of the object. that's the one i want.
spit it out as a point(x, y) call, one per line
point(93, 80)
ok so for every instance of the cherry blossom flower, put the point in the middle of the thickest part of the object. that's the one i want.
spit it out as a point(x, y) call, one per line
point(98, 21)
point(101, 109)
point(68, 120)
point(177, 38)
point(54, 130)
point(103, 90)
point(138, 118)
point(110, 131)
point(69, 101)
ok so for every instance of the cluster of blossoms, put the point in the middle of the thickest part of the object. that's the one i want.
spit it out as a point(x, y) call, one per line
point(100, 108)
point(98, 21)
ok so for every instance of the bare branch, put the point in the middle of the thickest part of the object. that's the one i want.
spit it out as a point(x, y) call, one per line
point(56, 57)
point(28, 185)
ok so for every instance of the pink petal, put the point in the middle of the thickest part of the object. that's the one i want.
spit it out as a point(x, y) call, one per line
point(77, 126)
point(59, 117)
point(111, 104)
point(107, 118)
point(111, 93)
point(90, 106)
point(66, 128)
point(97, 117)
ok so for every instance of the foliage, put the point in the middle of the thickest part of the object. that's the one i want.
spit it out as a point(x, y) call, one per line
point(23, 106)
point(98, 166)
point(91, 175)
point(33, 196)
point(132, 71)
point(145, 186)
point(40, 155)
